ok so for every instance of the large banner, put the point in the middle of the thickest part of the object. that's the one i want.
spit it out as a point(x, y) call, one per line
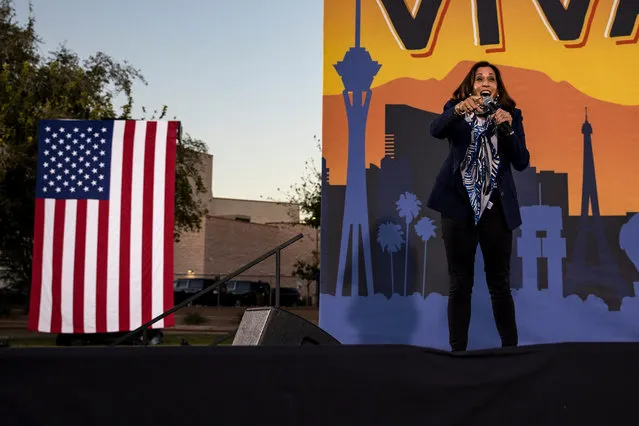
point(389, 68)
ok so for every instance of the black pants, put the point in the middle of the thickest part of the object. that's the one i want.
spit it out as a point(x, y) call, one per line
point(495, 240)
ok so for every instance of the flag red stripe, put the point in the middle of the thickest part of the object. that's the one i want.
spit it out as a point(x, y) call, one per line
point(78, 267)
point(125, 227)
point(46, 298)
point(169, 202)
point(36, 268)
point(147, 222)
point(56, 275)
point(102, 264)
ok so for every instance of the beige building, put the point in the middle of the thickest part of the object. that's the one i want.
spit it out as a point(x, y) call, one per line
point(254, 211)
point(235, 232)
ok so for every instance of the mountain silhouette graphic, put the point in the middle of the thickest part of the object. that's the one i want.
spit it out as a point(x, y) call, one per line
point(553, 115)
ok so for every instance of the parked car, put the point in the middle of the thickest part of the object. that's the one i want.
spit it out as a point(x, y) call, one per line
point(248, 293)
point(289, 296)
point(187, 287)
point(234, 293)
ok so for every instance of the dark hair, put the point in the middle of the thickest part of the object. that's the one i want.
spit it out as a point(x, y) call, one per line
point(465, 89)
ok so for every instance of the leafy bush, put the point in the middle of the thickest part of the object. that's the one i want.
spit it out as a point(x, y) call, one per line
point(194, 318)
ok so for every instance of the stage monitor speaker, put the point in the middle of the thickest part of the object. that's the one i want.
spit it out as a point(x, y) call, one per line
point(270, 326)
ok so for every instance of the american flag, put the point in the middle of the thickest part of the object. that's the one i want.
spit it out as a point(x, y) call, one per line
point(103, 234)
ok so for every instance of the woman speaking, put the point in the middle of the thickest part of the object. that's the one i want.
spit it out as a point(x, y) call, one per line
point(476, 196)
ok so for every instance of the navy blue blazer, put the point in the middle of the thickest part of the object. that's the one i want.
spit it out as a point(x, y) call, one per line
point(448, 195)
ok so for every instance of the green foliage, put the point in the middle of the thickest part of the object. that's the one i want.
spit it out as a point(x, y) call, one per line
point(195, 318)
point(307, 271)
point(62, 85)
point(189, 186)
point(307, 193)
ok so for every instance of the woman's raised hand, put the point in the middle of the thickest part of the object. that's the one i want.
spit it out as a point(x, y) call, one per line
point(468, 105)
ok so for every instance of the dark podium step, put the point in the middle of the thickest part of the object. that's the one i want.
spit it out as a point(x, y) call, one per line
point(562, 384)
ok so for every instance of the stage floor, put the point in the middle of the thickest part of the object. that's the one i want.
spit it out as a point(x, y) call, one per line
point(563, 384)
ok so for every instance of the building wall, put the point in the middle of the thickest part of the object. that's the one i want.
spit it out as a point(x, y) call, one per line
point(189, 252)
point(228, 244)
point(231, 244)
point(206, 171)
point(236, 231)
point(256, 211)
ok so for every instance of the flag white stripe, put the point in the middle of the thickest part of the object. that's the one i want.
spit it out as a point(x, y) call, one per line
point(46, 292)
point(158, 222)
point(137, 196)
point(115, 194)
point(68, 260)
point(113, 240)
point(90, 266)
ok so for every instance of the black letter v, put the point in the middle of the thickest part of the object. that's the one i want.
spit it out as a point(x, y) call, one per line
point(416, 30)
point(570, 23)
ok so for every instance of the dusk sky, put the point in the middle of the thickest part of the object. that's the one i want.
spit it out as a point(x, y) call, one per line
point(244, 76)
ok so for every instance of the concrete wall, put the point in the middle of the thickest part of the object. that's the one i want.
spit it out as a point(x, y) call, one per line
point(189, 252)
point(256, 211)
point(226, 245)
point(231, 244)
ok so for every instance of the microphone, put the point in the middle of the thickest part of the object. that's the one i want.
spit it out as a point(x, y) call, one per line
point(491, 106)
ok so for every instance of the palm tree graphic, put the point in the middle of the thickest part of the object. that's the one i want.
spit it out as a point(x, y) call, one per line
point(408, 207)
point(390, 238)
point(425, 228)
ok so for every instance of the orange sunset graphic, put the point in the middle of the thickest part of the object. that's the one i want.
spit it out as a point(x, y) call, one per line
point(552, 82)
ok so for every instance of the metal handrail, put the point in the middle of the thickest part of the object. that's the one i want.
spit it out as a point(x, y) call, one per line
point(275, 251)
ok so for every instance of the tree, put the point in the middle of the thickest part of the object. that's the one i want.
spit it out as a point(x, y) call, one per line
point(189, 205)
point(307, 194)
point(308, 272)
point(34, 87)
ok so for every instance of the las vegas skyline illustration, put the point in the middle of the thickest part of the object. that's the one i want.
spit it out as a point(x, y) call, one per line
point(384, 276)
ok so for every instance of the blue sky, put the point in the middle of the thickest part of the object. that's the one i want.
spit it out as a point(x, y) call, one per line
point(244, 76)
